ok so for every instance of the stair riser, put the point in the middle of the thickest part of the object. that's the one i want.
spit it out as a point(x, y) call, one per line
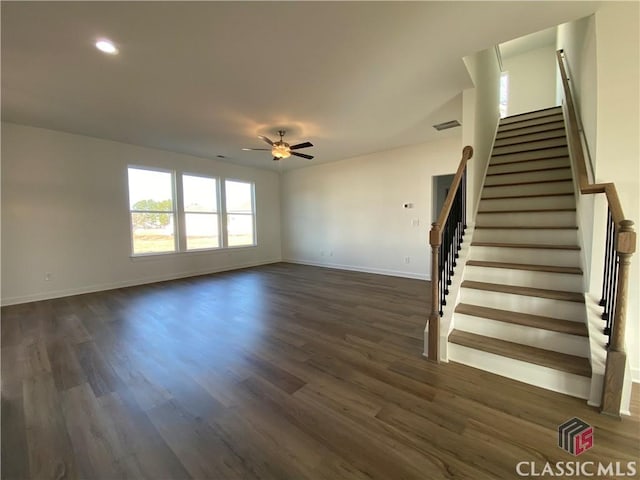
point(531, 137)
point(534, 337)
point(544, 377)
point(523, 147)
point(529, 189)
point(545, 237)
point(533, 155)
point(529, 130)
point(532, 165)
point(566, 201)
point(559, 219)
point(541, 116)
point(519, 177)
point(533, 256)
point(525, 278)
point(520, 303)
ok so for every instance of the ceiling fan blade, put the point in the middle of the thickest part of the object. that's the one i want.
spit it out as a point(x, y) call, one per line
point(275, 159)
point(251, 149)
point(301, 145)
point(265, 139)
point(308, 157)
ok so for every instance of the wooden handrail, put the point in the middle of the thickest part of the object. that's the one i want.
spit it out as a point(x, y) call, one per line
point(573, 134)
point(625, 246)
point(435, 240)
point(467, 153)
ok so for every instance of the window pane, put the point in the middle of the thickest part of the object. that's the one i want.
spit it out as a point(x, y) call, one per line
point(199, 194)
point(202, 230)
point(239, 197)
point(150, 190)
point(240, 230)
point(153, 232)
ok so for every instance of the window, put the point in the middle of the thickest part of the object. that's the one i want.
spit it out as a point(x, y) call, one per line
point(170, 214)
point(201, 220)
point(152, 211)
point(240, 214)
point(504, 93)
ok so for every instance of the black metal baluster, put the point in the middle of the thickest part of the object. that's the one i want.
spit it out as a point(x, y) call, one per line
point(607, 263)
point(452, 237)
point(610, 273)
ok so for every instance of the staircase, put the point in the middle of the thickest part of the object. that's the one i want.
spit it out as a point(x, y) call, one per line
point(521, 311)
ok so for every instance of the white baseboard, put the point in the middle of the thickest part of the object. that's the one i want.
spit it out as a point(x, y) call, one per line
point(354, 268)
point(36, 297)
point(635, 375)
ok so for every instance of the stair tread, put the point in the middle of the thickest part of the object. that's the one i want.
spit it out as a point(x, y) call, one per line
point(536, 149)
point(555, 180)
point(543, 127)
point(527, 227)
point(541, 116)
point(525, 319)
point(534, 210)
point(529, 147)
point(525, 245)
point(526, 266)
point(531, 122)
point(548, 169)
point(529, 196)
point(525, 291)
point(526, 160)
point(540, 110)
point(530, 137)
point(538, 356)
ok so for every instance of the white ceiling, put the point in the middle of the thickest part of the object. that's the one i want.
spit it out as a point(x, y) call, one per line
point(205, 78)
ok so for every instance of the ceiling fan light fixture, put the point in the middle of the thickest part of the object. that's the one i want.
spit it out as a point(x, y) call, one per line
point(280, 151)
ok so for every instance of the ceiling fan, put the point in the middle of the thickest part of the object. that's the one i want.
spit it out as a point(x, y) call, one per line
point(281, 149)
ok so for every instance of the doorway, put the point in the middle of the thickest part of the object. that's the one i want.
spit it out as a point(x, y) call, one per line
point(441, 184)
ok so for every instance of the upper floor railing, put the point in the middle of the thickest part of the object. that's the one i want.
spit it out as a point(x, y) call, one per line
point(619, 247)
point(446, 240)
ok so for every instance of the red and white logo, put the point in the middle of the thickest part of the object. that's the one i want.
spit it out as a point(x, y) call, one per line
point(575, 436)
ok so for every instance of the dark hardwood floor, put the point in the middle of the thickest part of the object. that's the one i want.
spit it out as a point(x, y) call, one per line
point(277, 372)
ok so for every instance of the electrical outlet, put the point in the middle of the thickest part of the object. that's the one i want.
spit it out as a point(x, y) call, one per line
point(331, 253)
point(407, 259)
point(415, 222)
point(47, 276)
point(322, 253)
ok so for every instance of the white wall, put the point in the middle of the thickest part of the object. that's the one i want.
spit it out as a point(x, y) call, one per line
point(65, 211)
point(349, 214)
point(532, 80)
point(578, 41)
point(481, 114)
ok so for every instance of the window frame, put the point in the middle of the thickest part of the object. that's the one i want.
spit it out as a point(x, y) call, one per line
point(184, 212)
point(226, 213)
point(174, 212)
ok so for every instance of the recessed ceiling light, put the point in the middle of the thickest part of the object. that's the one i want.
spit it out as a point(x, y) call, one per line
point(106, 46)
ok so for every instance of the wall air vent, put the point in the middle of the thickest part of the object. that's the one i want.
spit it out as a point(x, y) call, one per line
point(445, 125)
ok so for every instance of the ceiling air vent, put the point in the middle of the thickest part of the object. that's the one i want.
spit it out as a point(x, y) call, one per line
point(445, 125)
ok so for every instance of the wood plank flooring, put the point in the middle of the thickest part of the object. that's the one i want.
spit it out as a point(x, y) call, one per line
point(277, 372)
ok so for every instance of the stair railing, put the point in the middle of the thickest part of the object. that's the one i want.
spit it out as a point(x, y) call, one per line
point(620, 246)
point(445, 238)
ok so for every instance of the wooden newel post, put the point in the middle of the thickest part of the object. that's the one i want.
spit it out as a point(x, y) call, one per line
point(434, 319)
point(616, 356)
